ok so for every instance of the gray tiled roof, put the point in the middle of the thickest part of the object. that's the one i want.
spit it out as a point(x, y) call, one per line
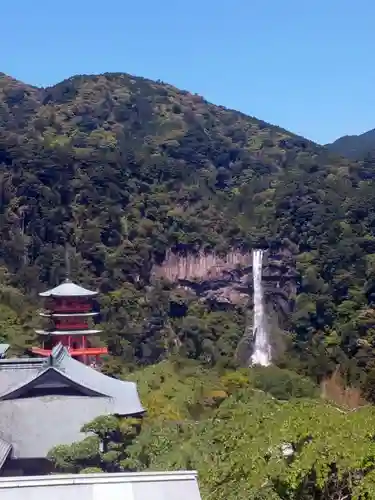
point(124, 393)
point(9, 379)
point(33, 425)
point(68, 289)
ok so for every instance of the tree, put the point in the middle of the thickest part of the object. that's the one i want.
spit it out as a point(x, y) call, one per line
point(257, 447)
point(105, 450)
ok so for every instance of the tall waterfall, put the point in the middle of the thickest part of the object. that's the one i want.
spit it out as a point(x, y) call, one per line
point(262, 348)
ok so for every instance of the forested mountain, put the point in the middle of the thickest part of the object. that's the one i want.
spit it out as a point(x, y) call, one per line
point(126, 170)
point(355, 147)
point(159, 197)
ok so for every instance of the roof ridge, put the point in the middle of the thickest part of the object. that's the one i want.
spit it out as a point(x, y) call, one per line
point(58, 352)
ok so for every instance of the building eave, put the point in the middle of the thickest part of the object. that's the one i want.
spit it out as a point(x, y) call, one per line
point(176, 485)
point(67, 332)
point(98, 478)
point(67, 315)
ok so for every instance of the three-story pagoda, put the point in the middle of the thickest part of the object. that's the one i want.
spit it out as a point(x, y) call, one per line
point(69, 314)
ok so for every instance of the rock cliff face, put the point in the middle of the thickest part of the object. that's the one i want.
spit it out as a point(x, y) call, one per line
point(215, 278)
point(280, 281)
point(228, 282)
point(228, 279)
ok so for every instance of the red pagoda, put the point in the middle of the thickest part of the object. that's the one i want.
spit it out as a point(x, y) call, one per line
point(69, 310)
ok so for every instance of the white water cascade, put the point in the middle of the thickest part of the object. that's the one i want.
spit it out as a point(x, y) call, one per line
point(262, 348)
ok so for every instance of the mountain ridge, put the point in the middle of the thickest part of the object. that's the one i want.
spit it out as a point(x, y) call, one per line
point(42, 91)
point(354, 147)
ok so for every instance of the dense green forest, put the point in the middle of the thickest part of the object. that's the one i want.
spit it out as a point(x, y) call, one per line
point(121, 170)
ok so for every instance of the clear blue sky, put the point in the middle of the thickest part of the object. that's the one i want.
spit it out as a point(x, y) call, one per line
point(306, 65)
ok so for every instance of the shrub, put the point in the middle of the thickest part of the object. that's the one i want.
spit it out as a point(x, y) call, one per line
point(282, 384)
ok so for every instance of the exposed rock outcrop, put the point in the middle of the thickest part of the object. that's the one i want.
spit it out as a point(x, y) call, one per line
point(210, 276)
point(227, 281)
point(280, 280)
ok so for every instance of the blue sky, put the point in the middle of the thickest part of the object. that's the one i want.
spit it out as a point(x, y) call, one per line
point(305, 65)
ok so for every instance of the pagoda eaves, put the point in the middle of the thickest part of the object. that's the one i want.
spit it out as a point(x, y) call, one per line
point(68, 289)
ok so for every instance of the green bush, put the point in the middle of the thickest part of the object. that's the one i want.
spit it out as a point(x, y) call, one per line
point(282, 384)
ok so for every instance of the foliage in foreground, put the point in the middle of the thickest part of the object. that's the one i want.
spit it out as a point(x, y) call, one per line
point(245, 443)
point(242, 451)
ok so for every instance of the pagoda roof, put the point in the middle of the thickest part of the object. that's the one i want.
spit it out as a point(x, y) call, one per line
point(67, 315)
point(46, 402)
point(67, 332)
point(68, 289)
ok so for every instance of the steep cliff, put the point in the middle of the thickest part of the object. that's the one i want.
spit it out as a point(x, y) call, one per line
point(227, 281)
point(223, 279)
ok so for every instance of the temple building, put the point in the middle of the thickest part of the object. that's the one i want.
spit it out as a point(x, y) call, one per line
point(45, 400)
point(68, 312)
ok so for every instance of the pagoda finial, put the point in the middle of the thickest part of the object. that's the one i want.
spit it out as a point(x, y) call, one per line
point(67, 263)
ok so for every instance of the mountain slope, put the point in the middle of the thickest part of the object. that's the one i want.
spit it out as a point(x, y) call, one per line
point(355, 147)
point(127, 171)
